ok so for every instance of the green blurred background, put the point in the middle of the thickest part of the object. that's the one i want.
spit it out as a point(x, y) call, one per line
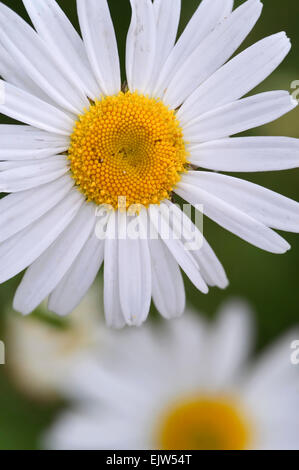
point(269, 282)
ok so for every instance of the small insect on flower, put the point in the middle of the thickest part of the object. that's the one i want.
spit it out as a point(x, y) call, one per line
point(93, 172)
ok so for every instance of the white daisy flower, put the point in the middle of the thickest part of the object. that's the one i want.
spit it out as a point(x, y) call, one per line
point(186, 386)
point(41, 351)
point(89, 143)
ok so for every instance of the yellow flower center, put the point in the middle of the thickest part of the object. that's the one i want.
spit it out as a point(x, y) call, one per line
point(205, 424)
point(127, 146)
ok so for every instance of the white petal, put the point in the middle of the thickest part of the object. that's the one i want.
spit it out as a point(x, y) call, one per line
point(236, 78)
point(212, 52)
point(26, 246)
point(11, 72)
point(25, 142)
point(76, 282)
point(141, 45)
point(233, 219)
point(64, 43)
point(100, 42)
point(168, 289)
point(134, 272)
point(183, 257)
point(233, 330)
point(239, 116)
point(167, 14)
point(26, 108)
point(30, 52)
point(113, 311)
point(19, 210)
point(48, 270)
point(269, 207)
point(203, 22)
point(247, 154)
point(210, 266)
point(30, 176)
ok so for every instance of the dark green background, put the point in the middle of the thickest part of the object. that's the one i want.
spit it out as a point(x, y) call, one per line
point(269, 282)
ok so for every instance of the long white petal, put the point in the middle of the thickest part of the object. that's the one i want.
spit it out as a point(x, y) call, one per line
point(141, 45)
point(168, 289)
point(64, 43)
point(234, 220)
point(167, 14)
point(76, 282)
point(209, 265)
point(25, 142)
point(30, 176)
point(100, 42)
point(134, 272)
point(236, 78)
point(113, 312)
point(205, 19)
point(31, 53)
point(269, 207)
point(26, 246)
point(19, 210)
point(26, 108)
point(239, 116)
point(247, 154)
point(47, 271)
point(11, 72)
point(212, 52)
point(183, 257)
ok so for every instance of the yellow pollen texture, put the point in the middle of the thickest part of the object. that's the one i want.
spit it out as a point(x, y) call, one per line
point(205, 424)
point(127, 146)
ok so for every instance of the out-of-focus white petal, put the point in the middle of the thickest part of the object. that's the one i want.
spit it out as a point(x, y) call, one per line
point(100, 42)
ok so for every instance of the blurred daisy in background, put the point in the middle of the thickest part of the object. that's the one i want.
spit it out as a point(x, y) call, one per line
point(189, 385)
point(42, 349)
point(88, 142)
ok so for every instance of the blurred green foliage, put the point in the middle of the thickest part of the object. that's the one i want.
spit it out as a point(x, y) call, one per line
point(269, 282)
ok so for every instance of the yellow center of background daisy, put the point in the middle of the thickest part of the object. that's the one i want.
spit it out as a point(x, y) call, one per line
point(205, 424)
point(127, 146)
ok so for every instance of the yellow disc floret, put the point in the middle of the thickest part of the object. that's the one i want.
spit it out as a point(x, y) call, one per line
point(205, 424)
point(127, 146)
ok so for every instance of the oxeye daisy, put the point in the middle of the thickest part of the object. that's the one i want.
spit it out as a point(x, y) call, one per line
point(189, 385)
point(88, 144)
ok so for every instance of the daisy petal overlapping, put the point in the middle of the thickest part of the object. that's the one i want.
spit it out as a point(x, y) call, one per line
point(52, 77)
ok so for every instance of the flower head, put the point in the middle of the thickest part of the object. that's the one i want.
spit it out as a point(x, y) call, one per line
point(96, 162)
